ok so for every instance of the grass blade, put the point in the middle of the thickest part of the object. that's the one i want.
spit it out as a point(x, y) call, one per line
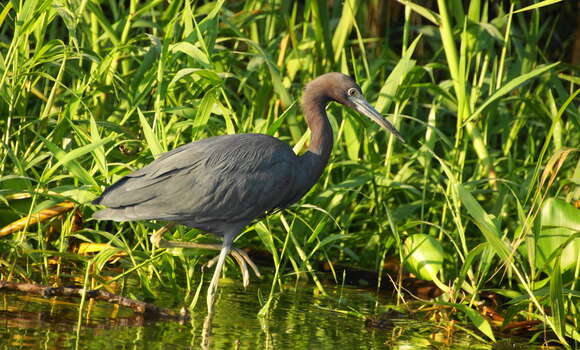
point(512, 84)
point(152, 140)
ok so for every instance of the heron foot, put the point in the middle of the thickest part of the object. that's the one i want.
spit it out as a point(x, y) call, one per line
point(241, 258)
point(157, 237)
point(239, 255)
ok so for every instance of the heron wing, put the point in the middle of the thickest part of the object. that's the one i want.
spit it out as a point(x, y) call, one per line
point(233, 178)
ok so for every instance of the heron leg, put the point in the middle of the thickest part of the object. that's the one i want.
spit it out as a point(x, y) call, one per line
point(212, 289)
point(239, 255)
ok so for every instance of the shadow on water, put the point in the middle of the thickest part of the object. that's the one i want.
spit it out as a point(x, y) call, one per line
point(298, 320)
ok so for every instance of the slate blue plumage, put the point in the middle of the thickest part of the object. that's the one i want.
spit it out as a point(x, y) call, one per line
point(220, 184)
point(204, 184)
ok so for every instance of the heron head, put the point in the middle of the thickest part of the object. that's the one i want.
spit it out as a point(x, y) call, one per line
point(344, 90)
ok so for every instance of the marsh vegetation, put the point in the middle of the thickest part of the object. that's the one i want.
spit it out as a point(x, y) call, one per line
point(482, 199)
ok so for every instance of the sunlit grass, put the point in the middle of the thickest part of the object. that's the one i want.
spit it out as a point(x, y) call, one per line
point(90, 92)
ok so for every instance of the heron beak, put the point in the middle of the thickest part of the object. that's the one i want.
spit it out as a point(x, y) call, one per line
point(364, 108)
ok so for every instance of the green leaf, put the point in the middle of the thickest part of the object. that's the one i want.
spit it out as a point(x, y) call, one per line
point(326, 241)
point(559, 236)
point(98, 152)
point(67, 157)
point(478, 321)
point(389, 88)
point(4, 13)
point(424, 256)
point(512, 84)
point(557, 301)
point(484, 222)
point(538, 5)
point(152, 140)
point(204, 110)
point(351, 139)
point(192, 51)
point(558, 213)
point(68, 160)
point(423, 11)
point(344, 27)
point(278, 122)
point(266, 238)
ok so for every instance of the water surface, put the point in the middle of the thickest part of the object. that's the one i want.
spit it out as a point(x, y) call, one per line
point(299, 319)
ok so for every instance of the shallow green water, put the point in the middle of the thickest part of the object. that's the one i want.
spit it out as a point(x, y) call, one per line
point(298, 320)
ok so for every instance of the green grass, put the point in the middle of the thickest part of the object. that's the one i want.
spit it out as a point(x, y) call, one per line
point(485, 96)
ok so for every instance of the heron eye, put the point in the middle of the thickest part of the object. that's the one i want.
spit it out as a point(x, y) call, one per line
point(351, 92)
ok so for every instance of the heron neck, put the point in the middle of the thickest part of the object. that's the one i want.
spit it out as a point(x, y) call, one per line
point(321, 137)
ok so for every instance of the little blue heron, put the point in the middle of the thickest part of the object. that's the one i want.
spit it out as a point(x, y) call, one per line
point(221, 184)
